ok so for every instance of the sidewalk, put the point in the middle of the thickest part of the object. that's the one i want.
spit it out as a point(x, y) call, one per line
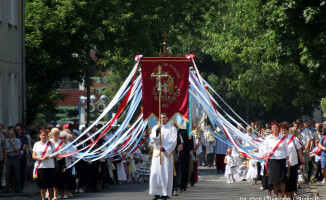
point(313, 190)
point(30, 190)
point(319, 190)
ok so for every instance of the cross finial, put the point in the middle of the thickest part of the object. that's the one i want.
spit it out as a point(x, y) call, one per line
point(165, 51)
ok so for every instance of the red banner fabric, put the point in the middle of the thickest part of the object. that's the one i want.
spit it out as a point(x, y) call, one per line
point(175, 84)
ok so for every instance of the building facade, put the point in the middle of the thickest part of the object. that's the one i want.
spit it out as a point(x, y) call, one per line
point(12, 96)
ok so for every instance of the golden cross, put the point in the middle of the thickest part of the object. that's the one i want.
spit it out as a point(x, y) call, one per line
point(158, 77)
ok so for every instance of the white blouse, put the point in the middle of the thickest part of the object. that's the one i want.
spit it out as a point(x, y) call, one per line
point(293, 157)
point(282, 150)
point(39, 148)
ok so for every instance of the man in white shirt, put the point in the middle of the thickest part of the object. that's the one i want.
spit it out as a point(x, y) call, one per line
point(209, 138)
point(199, 139)
point(220, 152)
point(164, 137)
point(306, 140)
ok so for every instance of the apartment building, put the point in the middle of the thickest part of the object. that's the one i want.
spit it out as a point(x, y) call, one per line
point(12, 98)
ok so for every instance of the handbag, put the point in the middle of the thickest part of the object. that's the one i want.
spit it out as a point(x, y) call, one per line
point(319, 150)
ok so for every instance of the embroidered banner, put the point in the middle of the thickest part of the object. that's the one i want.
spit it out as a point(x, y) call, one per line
point(175, 84)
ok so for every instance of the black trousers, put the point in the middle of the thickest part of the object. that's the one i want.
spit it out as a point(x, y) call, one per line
point(184, 169)
point(309, 167)
point(176, 178)
point(318, 174)
point(23, 164)
point(83, 171)
point(93, 176)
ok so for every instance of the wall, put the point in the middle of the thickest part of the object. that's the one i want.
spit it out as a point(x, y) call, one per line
point(10, 62)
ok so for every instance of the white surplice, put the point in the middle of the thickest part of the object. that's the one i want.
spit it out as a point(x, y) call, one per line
point(161, 178)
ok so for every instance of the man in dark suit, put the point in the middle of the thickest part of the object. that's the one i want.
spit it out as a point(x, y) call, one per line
point(178, 149)
point(184, 157)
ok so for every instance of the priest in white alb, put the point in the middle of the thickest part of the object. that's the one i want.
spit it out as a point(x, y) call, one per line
point(161, 178)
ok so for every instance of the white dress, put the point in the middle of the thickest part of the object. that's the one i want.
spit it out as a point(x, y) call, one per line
point(121, 172)
point(252, 171)
point(229, 167)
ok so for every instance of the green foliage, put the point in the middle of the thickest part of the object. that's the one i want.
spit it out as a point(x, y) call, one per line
point(117, 30)
point(265, 58)
point(263, 66)
point(323, 106)
point(66, 114)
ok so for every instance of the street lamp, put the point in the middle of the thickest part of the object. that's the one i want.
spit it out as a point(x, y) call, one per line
point(82, 99)
point(93, 98)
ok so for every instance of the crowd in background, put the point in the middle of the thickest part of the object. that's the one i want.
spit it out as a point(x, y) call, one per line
point(293, 162)
point(18, 161)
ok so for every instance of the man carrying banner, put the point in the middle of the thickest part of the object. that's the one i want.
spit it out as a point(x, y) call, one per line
point(161, 178)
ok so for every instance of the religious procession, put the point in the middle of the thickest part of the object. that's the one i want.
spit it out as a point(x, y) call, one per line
point(165, 152)
point(147, 100)
point(183, 156)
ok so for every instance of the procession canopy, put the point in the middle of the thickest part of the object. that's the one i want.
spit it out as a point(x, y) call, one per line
point(174, 75)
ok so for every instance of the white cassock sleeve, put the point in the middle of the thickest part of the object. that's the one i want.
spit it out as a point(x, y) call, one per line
point(153, 137)
point(171, 142)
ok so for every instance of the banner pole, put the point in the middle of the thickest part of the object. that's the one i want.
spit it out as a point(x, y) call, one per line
point(158, 76)
point(159, 114)
point(189, 113)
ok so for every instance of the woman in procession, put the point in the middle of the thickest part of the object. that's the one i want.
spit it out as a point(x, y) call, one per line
point(295, 159)
point(58, 144)
point(277, 150)
point(44, 168)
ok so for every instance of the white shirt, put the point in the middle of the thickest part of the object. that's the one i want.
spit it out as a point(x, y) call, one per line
point(209, 138)
point(39, 148)
point(56, 144)
point(282, 150)
point(198, 141)
point(306, 136)
point(220, 147)
point(70, 149)
point(293, 156)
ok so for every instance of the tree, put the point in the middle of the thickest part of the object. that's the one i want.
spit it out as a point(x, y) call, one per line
point(237, 33)
point(116, 30)
point(300, 31)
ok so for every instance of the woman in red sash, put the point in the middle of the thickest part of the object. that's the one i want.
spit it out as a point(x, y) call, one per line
point(295, 158)
point(60, 168)
point(44, 165)
point(278, 156)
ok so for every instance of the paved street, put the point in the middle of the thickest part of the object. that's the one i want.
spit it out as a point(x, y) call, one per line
point(210, 186)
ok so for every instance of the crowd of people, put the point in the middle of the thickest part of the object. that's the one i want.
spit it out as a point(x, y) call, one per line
point(289, 150)
point(25, 156)
point(288, 159)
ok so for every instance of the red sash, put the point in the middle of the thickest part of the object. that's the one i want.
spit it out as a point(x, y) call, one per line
point(270, 155)
point(291, 140)
point(56, 149)
point(39, 162)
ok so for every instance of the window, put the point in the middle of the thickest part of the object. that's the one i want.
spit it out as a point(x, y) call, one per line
point(12, 12)
point(13, 99)
point(68, 85)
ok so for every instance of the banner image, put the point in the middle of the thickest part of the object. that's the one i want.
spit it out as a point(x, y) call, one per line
point(174, 73)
